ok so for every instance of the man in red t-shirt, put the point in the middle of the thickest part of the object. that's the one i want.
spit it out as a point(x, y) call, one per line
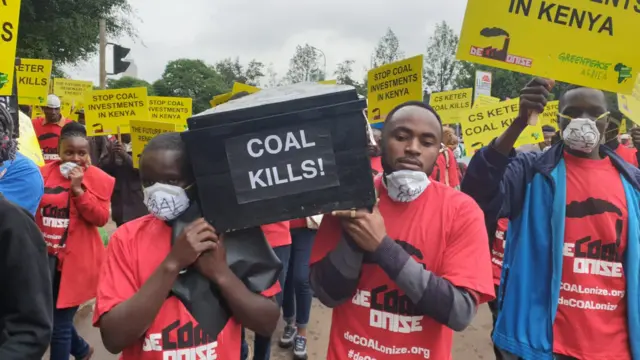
point(401, 277)
point(134, 310)
point(563, 290)
point(48, 128)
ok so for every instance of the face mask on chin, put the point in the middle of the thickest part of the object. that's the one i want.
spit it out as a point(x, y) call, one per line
point(166, 202)
point(406, 185)
point(582, 135)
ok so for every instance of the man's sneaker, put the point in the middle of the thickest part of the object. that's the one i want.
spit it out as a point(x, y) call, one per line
point(300, 348)
point(289, 333)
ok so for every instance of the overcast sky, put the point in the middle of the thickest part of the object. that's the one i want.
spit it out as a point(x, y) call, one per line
point(269, 30)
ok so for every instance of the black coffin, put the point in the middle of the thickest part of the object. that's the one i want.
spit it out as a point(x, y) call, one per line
point(279, 154)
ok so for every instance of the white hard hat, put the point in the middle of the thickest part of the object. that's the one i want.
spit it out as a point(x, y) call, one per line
point(53, 102)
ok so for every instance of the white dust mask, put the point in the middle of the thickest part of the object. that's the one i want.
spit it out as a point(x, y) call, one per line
point(166, 202)
point(65, 168)
point(581, 135)
point(406, 185)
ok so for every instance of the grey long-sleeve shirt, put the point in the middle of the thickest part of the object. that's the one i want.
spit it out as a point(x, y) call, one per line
point(335, 280)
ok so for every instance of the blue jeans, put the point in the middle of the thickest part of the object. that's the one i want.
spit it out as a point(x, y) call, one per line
point(296, 304)
point(262, 344)
point(65, 340)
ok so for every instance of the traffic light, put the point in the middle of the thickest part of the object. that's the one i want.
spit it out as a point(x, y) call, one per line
point(119, 53)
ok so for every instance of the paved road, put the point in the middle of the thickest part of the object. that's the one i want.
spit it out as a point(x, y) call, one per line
point(472, 344)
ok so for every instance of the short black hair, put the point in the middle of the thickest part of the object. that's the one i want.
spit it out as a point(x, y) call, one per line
point(548, 128)
point(569, 89)
point(421, 104)
point(73, 129)
point(170, 141)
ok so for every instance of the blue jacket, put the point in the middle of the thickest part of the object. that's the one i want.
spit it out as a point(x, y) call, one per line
point(22, 183)
point(530, 189)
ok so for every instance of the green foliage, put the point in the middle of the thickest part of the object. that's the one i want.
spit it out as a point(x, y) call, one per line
point(344, 75)
point(387, 50)
point(191, 78)
point(67, 31)
point(441, 66)
point(233, 71)
point(305, 65)
point(130, 82)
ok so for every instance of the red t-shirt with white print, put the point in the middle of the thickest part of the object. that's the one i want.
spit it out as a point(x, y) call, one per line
point(444, 230)
point(497, 250)
point(135, 251)
point(591, 321)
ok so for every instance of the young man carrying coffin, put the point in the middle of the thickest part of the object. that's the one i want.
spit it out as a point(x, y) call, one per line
point(402, 277)
point(571, 271)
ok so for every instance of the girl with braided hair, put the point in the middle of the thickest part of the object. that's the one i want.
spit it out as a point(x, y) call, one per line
point(75, 204)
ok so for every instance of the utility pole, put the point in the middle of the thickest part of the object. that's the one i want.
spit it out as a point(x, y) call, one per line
point(103, 54)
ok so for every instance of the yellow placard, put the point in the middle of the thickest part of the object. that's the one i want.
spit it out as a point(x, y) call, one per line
point(480, 126)
point(71, 94)
point(108, 110)
point(33, 77)
point(142, 132)
point(9, 18)
point(450, 104)
point(170, 109)
point(550, 114)
point(240, 87)
point(623, 127)
point(393, 84)
point(36, 112)
point(220, 99)
point(484, 100)
point(629, 105)
point(595, 51)
point(328, 82)
point(28, 141)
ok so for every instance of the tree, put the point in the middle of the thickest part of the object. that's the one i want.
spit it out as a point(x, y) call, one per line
point(130, 82)
point(387, 50)
point(440, 65)
point(232, 71)
point(67, 31)
point(344, 73)
point(271, 77)
point(191, 78)
point(304, 65)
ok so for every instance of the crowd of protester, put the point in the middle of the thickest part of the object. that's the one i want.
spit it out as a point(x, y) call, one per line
point(546, 234)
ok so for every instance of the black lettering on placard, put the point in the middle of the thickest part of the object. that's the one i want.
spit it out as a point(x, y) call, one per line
point(281, 162)
point(7, 32)
point(573, 17)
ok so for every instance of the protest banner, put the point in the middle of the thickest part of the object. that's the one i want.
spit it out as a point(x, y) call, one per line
point(71, 94)
point(240, 87)
point(328, 82)
point(480, 126)
point(282, 153)
point(623, 127)
point(9, 19)
point(142, 132)
point(220, 99)
point(484, 100)
point(28, 144)
point(451, 104)
point(175, 110)
point(550, 114)
point(109, 110)
point(484, 80)
point(36, 112)
point(391, 85)
point(629, 105)
point(33, 81)
point(573, 43)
